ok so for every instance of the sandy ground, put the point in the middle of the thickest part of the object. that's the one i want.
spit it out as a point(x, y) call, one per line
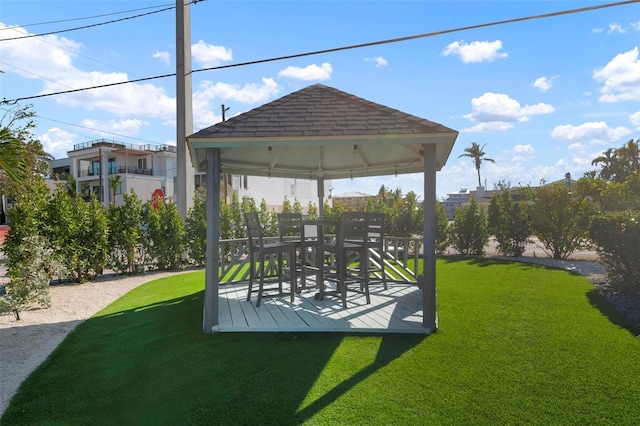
point(25, 344)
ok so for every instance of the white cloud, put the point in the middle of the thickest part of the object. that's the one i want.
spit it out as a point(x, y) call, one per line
point(310, 72)
point(209, 55)
point(524, 149)
point(207, 92)
point(163, 56)
point(636, 25)
point(107, 128)
point(577, 147)
point(597, 132)
point(379, 61)
point(635, 119)
point(495, 112)
point(493, 126)
point(544, 83)
point(616, 28)
point(621, 77)
point(57, 142)
point(476, 51)
point(597, 30)
point(53, 59)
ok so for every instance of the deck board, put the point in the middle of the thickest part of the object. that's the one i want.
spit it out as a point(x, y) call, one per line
point(395, 310)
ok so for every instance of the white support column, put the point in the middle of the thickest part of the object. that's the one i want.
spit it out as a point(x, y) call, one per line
point(428, 278)
point(184, 190)
point(212, 273)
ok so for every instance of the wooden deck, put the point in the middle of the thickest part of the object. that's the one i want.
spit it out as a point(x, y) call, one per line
point(396, 310)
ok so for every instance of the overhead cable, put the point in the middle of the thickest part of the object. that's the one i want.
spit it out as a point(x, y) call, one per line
point(350, 47)
point(86, 17)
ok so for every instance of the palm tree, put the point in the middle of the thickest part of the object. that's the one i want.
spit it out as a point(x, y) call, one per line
point(12, 157)
point(630, 155)
point(476, 152)
point(115, 183)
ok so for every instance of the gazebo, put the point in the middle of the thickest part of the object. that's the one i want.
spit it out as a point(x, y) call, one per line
point(321, 133)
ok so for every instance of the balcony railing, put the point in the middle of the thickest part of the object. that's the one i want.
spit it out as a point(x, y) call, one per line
point(113, 170)
point(107, 143)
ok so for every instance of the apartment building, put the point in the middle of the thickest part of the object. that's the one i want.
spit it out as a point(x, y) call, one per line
point(106, 167)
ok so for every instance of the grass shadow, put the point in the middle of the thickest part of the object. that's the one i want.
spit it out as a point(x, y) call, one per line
point(154, 363)
point(600, 302)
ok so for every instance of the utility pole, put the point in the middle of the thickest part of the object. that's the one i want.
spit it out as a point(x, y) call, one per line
point(184, 190)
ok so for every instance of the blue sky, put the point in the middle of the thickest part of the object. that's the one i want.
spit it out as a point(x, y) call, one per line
point(546, 96)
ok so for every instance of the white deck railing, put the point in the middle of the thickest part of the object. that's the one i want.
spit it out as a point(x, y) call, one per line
point(234, 259)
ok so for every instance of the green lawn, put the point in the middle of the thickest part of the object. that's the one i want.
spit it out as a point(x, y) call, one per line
point(517, 344)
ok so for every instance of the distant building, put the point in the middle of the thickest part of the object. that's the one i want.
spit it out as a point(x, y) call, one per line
point(455, 200)
point(146, 169)
point(483, 196)
point(352, 200)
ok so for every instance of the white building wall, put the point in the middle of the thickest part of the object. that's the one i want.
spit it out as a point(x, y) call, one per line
point(274, 190)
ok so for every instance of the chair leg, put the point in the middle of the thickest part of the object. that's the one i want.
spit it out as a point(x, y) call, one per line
point(252, 267)
point(261, 281)
point(341, 263)
point(383, 272)
point(292, 272)
point(280, 259)
point(365, 273)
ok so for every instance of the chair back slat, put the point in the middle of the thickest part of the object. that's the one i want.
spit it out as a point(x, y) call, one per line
point(290, 226)
point(254, 229)
point(375, 228)
point(353, 227)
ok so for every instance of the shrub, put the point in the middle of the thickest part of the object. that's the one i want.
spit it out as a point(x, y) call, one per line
point(442, 228)
point(79, 232)
point(164, 236)
point(30, 274)
point(196, 231)
point(125, 230)
point(618, 238)
point(509, 224)
point(559, 218)
point(469, 234)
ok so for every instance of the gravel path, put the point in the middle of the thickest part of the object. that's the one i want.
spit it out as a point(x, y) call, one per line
point(25, 344)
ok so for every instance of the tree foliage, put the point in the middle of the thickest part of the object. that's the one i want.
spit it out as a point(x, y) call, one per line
point(469, 231)
point(509, 224)
point(22, 157)
point(125, 230)
point(442, 228)
point(559, 218)
point(164, 237)
point(195, 231)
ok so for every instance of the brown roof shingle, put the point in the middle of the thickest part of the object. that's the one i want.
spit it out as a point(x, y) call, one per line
point(320, 110)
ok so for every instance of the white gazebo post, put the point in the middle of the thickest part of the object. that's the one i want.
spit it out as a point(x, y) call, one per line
point(428, 278)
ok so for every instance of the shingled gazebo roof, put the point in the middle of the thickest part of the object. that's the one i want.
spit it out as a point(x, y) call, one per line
point(320, 130)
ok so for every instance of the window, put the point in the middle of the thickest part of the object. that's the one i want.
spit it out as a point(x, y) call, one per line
point(112, 166)
point(94, 170)
point(142, 163)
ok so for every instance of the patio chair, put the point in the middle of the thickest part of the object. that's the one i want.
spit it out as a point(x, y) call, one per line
point(350, 239)
point(261, 253)
point(291, 230)
point(375, 244)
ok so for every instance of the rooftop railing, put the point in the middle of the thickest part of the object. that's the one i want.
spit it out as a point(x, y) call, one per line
point(107, 143)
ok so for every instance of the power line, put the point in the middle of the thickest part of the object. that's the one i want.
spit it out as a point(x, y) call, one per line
point(88, 26)
point(92, 129)
point(87, 17)
point(350, 47)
